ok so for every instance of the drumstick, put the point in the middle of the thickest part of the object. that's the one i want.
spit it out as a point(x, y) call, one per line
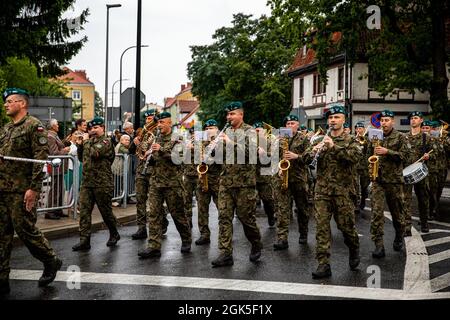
point(421, 158)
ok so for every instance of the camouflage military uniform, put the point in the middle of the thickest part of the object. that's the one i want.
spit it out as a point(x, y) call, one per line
point(165, 185)
point(97, 155)
point(418, 145)
point(334, 192)
point(298, 191)
point(26, 139)
point(389, 185)
point(237, 193)
point(189, 184)
point(441, 158)
point(363, 179)
point(445, 142)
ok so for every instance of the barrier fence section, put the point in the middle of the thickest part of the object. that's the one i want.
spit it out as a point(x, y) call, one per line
point(61, 185)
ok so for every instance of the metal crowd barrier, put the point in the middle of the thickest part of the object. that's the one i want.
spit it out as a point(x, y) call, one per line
point(61, 185)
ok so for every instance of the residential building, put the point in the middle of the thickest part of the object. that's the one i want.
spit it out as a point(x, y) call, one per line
point(183, 106)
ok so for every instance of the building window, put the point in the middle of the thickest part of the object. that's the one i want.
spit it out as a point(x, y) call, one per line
point(76, 95)
point(319, 87)
point(341, 79)
point(301, 88)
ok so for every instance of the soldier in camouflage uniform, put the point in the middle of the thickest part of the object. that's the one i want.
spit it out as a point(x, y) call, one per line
point(393, 154)
point(362, 168)
point(441, 159)
point(334, 189)
point(264, 180)
point(189, 180)
point(165, 185)
point(297, 186)
point(237, 187)
point(20, 186)
point(419, 145)
point(97, 154)
point(204, 195)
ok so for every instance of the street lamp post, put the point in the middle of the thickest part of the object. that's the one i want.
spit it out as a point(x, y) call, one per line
point(120, 79)
point(108, 6)
point(112, 101)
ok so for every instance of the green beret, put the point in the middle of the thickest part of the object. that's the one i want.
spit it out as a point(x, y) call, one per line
point(436, 124)
point(97, 121)
point(310, 130)
point(302, 127)
point(150, 112)
point(359, 125)
point(89, 125)
point(11, 91)
point(346, 125)
point(335, 110)
point(233, 106)
point(210, 123)
point(415, 114)
point(164, 115)
point(427, 123)
point(386, 113)
point(291, 117)
point(258, 124)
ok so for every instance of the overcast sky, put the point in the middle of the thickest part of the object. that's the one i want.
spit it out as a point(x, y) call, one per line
point(169, 27)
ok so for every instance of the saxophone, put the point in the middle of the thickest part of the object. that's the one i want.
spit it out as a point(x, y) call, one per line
point(374, 160)
point(284, 164)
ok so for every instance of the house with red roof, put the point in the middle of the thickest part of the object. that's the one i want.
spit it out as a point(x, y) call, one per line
point(183, 107)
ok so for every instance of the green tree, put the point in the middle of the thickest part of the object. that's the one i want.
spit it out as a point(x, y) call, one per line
point(246, 62)
point(408, 51)
point(34, 29)
point(98, 105)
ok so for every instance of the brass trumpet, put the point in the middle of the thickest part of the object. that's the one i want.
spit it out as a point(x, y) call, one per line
point(284, 164)
point(147, 133)
point(361, 138)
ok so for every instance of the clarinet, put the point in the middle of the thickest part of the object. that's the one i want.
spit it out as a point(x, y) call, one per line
point(147, 161)
point(313, 163)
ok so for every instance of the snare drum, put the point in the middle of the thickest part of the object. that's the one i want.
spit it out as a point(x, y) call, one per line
point(415, 173)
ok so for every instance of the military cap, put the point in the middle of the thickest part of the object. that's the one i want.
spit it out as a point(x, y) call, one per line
point(303, 127)
point(291, 117)
point(335, 110)
point(97, 121)
point(164, 115)
point(386, 113)
point(11, 91)
point(359, 125)
point(346, 125)
point(210, 123)
point(150, 112)
point(435, 124)
point(258, 124)
point(233, 106)
point(415, 114)
point(310, 130)
point(427, 123)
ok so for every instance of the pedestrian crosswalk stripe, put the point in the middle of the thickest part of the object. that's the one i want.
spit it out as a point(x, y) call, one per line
point(440, 282)
point(435, 242)
point(443, 255)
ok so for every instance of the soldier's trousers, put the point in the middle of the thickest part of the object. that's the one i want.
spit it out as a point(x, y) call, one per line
point(88, 198)
point(423, 194)
point(393, 194)
point(342, 209)
point(189, 187)
point(363, 189)
point(203, 201)
point(434, 189)
point(265, 191)
point(243, 201)
point(297, 192)
point(142, 186)
point(13, 216)
point(174, 199)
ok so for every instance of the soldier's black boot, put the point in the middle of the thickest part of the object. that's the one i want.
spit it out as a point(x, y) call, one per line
point(323, 271)
point(280, 245)
point(113, 238)
point(50, 270)
point(140, 234)
point(185, 247)
point(353, 259)
point(398, 243)
point(149, 253)
point(202, 240)
point(255, 253)
point(424, 227)
point(271, 220)
point(165, 224)
point(378, 252)
point(303, 239)
point(4, 287)
point(83, 245)
point(407, 233)
point(223, 260)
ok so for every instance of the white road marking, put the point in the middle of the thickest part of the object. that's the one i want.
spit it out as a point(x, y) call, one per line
point(440, 282)
point(443, 255)
point(438, 230)
point(300, 289)
point(445, 224)
point(435, 242)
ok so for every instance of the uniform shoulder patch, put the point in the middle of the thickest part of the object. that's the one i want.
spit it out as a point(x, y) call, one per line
point(106, 142)
point(98, 146)
point(40, 129)
point(43, 140)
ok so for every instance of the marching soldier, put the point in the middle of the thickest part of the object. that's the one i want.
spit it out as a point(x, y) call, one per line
point(189, 179)
point(264, 185)
point(297, 186)
point(204, 194)
point(165, 185)
point(420, 145)
point(389, 185)
point(237, 188)
point(303, 130)
point(336, 154)
point(347, 129)
point(20, 186)
point(97, 154)
point(441, 159)
point(363, 173)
